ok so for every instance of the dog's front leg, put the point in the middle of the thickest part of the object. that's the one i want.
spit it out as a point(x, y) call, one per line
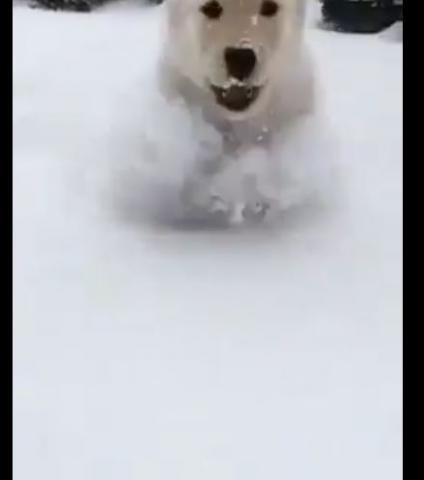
point(260, 184)
point(256, 203)
point(201, 194)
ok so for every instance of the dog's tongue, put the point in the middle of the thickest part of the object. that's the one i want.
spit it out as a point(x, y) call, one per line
point(235, 94)
point(235, 97)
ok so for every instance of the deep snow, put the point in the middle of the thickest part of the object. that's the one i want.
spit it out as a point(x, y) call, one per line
point(145, 351)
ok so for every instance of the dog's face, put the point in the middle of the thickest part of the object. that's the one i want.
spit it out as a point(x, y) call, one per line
point(234, 49)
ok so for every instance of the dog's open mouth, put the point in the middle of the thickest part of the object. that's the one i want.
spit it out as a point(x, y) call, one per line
point(236, 97)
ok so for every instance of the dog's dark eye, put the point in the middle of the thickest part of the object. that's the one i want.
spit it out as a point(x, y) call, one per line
point(212, 9)
point(269, 8)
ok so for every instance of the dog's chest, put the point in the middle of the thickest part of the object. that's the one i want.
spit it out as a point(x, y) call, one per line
point(241, 136)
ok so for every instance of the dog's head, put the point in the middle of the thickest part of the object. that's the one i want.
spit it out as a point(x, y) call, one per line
point(236, 50)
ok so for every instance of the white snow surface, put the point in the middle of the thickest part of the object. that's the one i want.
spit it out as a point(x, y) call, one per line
point(151, 349)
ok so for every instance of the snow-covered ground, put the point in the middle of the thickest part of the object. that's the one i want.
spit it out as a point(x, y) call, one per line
point(146, 351)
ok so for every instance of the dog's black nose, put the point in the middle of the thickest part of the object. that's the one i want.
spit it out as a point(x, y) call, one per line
point(240, 62)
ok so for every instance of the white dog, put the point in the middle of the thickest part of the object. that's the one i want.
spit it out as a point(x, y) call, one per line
point(243, 63)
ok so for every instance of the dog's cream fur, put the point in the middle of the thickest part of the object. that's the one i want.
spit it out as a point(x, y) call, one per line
point(193, 59)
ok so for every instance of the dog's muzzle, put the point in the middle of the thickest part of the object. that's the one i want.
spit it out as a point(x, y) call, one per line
point(236, 97)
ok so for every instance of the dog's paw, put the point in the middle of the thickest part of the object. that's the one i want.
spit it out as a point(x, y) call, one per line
point(218, 209)
point(256, 212)
point(199, 203)
point(217, 205)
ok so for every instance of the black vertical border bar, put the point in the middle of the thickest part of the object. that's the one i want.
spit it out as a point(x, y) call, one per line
point(6, 235)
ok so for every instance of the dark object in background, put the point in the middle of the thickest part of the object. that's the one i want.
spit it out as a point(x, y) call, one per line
point(77, 5)
point(361, 16)
point(72, 5)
